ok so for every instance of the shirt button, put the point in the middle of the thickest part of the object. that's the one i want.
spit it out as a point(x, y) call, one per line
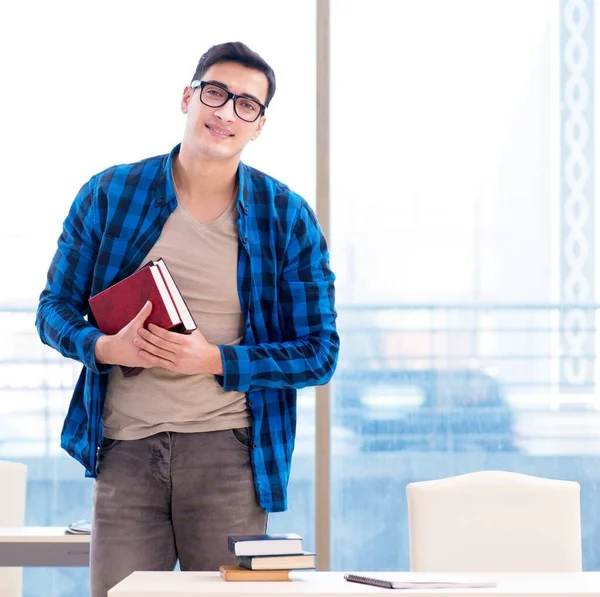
point(246, 209)
point(254, 446)
point(160, 201)
point(245, 239)
point(248, 325)
point(250, 404)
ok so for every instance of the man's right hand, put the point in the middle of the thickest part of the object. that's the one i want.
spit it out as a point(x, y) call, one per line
point(120, 349)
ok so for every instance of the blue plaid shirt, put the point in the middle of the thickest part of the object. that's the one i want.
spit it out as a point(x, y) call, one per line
point(286, 291)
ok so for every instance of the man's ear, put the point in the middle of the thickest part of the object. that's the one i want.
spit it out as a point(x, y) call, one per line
point(186, 98)
point(258, 130)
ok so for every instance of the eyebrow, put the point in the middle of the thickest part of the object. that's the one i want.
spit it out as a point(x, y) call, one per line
point(248, 95)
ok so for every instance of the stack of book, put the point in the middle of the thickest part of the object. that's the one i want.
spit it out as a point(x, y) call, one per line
point(266, 557)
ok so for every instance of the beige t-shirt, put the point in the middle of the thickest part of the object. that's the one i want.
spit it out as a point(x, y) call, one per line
point(202, 258)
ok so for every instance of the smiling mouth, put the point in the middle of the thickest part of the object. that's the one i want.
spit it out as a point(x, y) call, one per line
point(218, 132)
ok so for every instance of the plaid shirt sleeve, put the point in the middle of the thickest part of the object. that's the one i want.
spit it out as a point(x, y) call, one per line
point(63, 303)
point(306, 296)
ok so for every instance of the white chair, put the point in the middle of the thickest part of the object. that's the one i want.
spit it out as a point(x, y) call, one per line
point(13, 478)
point(494, 521)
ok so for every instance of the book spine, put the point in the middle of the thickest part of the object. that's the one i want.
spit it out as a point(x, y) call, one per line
point(376, 582)
point(231, 545)
point(245, 562)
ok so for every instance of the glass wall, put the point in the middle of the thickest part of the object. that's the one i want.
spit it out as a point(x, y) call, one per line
point(462, 234)
point(462, 218)
point(86, 86)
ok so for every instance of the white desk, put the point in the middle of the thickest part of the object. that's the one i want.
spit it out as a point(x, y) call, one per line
point(43, 546)
point(325, 584)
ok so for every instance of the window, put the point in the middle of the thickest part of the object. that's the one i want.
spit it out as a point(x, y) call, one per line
point(85, 88)
point(462, 234)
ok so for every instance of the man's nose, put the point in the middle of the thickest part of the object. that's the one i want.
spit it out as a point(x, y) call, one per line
point(226, 112)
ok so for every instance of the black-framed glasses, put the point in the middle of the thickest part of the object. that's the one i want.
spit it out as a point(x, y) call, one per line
point(215, 96)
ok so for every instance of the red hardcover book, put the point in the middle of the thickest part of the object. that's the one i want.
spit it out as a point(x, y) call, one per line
point(116, 306)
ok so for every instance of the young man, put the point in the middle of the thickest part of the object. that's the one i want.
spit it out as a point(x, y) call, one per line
point(197, 446)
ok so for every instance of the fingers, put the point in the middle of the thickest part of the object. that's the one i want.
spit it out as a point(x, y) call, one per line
point(167, 335)
point(143, 314)
point(154, 350)
point(154, 361)
point(153, 343)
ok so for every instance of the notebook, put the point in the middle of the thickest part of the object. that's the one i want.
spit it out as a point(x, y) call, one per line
point(388, 582)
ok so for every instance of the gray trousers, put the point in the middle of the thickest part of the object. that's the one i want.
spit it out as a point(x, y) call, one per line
point(169, 497)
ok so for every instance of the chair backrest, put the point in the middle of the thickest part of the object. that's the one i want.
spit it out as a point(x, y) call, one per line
point(13, 479)
point(494, 521)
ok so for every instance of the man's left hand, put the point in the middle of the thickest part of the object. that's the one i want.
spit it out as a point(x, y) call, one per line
point(183, 353)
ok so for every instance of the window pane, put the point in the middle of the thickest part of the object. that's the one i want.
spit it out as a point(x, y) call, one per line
point(90, 88)
point(462, 234)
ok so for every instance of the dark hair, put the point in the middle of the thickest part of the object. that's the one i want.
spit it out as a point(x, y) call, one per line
point(236, 51)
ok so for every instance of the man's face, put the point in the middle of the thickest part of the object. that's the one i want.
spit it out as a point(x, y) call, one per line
point(219, 132)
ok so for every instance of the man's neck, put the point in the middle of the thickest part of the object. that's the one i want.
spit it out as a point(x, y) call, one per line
point(200, 180)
